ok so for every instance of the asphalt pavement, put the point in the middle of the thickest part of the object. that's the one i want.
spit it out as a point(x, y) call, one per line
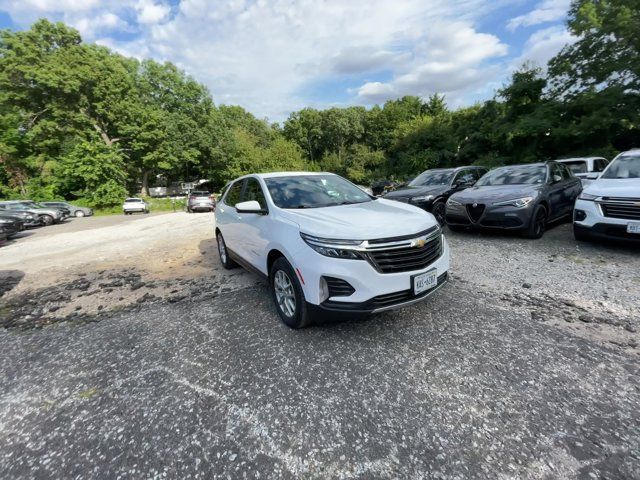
point(466, 385)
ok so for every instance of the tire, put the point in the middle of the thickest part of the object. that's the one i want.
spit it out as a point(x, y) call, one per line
point(538, 223)
point(438, 210)
point(287, 295)
point(79, 214)
point(580, 235)
point(47, 220)
point(225, 260)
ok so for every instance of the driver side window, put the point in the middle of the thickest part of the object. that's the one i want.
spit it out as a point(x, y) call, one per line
point(466, 177)
point(233, 195)
point(253, 191)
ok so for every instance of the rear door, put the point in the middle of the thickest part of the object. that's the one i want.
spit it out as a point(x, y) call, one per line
point(227, 217)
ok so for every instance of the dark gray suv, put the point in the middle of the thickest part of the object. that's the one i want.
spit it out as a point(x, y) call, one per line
point(517, 197)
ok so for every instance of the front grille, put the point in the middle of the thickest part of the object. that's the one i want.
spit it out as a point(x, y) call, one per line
point(406, 259)
point(339, 287)
point(628, 210)
point(475, 211)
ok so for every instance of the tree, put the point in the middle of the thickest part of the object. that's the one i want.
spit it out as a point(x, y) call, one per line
point(607, 52)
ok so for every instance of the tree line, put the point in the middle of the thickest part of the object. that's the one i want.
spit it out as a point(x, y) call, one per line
point(78, 121)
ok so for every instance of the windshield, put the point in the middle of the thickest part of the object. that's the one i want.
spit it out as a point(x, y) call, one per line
point(314, 191)
point(624, 167)
point(577, 166)
point(516, 175)
point(434, 177)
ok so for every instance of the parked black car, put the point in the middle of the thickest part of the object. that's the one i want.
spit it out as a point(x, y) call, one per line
point(517, 197)
point(29, 219)
point(431, 189)
point(11, 226)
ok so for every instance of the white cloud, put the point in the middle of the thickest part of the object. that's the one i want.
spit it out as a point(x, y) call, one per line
point(543, 45)
point(89, 27)
point(150, 12)
point(546, 11)
point(450, 59)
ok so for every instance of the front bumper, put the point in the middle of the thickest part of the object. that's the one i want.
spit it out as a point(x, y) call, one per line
point(373, 291)
point(504, 217)
point(588, 218)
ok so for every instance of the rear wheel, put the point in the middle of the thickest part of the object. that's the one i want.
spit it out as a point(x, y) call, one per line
point(438, 211)
point(79, 213)
point(224, 253)
point(538, 223)
point(47, 220)
point(287, 295)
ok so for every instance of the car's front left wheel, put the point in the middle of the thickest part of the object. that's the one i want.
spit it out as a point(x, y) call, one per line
point(538, 223)
point(225, 260)
point(438, 211)
point(288, 295)
point(79, 213)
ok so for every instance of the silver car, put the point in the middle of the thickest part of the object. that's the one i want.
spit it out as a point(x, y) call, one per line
point(74, 210)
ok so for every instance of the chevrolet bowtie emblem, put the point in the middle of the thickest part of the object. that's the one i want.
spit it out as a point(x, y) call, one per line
point(420, 243)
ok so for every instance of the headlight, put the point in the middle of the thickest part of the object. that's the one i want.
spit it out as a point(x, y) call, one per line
point(587, 196)
point(452, 203)
point(422, 198)
point(29, 217)
point(517, 202)
point(334, 248)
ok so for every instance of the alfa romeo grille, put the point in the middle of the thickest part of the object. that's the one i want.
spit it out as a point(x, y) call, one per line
point(475, 211)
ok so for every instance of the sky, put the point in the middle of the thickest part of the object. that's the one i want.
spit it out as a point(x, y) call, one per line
point(273, 57)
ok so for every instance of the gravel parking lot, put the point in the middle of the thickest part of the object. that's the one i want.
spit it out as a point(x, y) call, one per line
point(524, 366)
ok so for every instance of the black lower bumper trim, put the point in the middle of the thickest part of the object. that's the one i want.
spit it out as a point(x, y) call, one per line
point(380, 303)
point(608, 231)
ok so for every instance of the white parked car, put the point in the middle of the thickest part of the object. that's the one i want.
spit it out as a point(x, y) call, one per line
point(133, 205)
point(586, 169)
point(609, 207)
point(328, 247)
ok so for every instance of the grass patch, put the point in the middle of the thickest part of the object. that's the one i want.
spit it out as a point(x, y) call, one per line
point(155, 205)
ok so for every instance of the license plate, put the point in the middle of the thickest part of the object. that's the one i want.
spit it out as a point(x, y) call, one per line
point(425, 281)
point(633, 227)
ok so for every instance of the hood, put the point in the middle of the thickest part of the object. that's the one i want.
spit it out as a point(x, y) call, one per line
point(496, 193)
point(614, 187)
point(364, 221)
point(410, 192)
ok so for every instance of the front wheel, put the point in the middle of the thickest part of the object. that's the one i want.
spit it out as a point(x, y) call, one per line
point(47, 220)
point(225, 260)
point(79, 213)
point(287, 295)
point(538, 223)
point(438, 211)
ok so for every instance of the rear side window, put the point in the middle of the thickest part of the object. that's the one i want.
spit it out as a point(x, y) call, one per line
point(253, 191)
point(233, 195)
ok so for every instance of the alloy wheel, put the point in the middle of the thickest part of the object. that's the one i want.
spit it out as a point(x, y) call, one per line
point(438, 212)
point(285, 294)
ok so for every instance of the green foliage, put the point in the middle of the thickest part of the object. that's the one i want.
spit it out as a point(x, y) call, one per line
point(93, 171)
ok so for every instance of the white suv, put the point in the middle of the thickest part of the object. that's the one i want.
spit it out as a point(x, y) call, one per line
point(132, 205)
point(609, 207)
point(326, 246)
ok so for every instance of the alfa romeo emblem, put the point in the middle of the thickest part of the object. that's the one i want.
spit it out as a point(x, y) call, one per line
point(475, 205)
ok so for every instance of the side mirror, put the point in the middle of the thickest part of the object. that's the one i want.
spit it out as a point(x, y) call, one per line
point(592, 176)
point(252, 206)
point(556, 179)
